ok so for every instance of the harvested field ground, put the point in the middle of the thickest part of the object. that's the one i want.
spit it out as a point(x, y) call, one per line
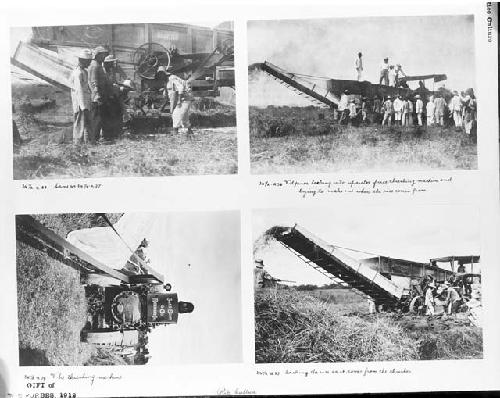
point(47, 150)
point(52, 307)
point(302, 327)
point(303, 140)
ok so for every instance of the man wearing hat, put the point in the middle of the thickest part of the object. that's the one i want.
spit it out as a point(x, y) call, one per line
point(99, 97)
point(456, 109)
point(384, 72)
point(419, 109)
point(180, 95)
point(429, 298)
point(343, 107)
point(439, 108)
point(398, 110)
point(112, 124)
point(260, 275)
point(388, 111)
point(80, 98)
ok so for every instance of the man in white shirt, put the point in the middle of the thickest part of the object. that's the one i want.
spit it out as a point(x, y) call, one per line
point(359, 66)
point(180, 95)
point(430, 111)
point(384, 72)
point(344, 107)
point(419, 109)
point(391, 76)
point(80, 99)
point(388, 111)
point(398, 110)
point(456, 109)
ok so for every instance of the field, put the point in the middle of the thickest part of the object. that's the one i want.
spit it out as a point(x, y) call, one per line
point(52, 308)
point(307, 139)
point(47, 150)
point(335, 326)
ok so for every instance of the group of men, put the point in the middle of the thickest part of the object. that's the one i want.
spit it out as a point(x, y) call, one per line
point(390, 75)
point(99, 100)
point(408, 111)
point(449, 294)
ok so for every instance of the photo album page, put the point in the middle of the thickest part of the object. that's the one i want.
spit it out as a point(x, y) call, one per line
point(249, 198)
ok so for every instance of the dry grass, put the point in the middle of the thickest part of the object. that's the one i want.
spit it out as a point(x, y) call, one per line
point(52, 307)
point(295, 327)
point(47, 150)
point(51, 311)
point(210, 151)
point(302, 140)
point(334, 326)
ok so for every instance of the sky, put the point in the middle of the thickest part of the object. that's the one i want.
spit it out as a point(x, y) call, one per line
point(418, 233)
point(329, 47)
point(199, 255)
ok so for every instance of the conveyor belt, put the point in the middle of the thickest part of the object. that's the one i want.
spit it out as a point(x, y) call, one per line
point(336, 265)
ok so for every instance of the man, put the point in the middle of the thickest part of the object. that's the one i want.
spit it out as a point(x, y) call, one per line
point(114, 120)
point(80, 98)
point(391, 76)
point(344, 107)
point(98, 97)
point(388, 111)
point(399, 75)
point(439, 108)
point(429, 299)
point(456, 109)
point(469, 113)
point(384, 72)
point(260, 275)
point(353, 113)
point(364, 109)
point(377, 109)
point(453, 299)
point(411, 110)
point(398, 110)
point(359, 66)
point(419, 109)
point(429, 110)
point(179, 92)
point(404, 116)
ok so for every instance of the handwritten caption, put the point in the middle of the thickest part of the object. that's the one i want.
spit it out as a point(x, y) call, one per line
point(30, 186)
point(359, 371)
point(313, 187)
point(51, 380)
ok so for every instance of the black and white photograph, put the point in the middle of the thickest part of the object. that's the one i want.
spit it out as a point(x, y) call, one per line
point(362, 94)
point(129, 288)
point(375, 284)
point(150, 99)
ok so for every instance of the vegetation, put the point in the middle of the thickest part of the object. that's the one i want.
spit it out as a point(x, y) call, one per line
point(333, 325)
point(52, 308)
point(300, 140)
point(47, 151)
point(297, 327)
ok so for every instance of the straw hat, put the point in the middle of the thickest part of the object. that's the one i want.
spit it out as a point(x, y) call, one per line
point(100, 50)
point(109, 58)
point(85, 54)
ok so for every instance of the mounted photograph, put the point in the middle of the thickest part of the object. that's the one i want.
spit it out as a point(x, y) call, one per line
point(151, 99)
point(128, 288)
point(377, 284)
point(362, 94)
